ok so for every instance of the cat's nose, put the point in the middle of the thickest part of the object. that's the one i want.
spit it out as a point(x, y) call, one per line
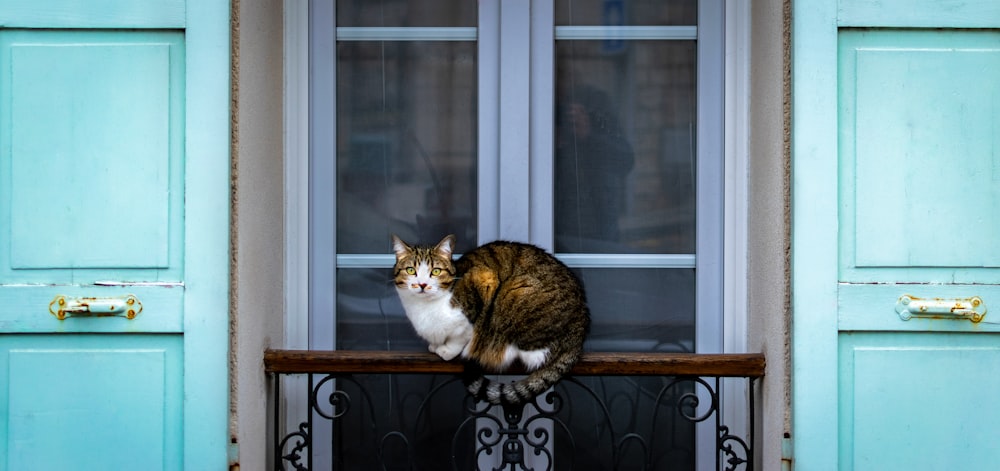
point(423, 286)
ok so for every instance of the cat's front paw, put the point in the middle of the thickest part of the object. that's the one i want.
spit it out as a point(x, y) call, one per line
point(447, 352)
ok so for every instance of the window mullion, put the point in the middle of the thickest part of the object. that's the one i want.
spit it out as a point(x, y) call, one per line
point(710, 173)
point(709, 185)
point(515, 133)
point(488, 162)
point(516, 116)
point(322, 177)
point(542, 165)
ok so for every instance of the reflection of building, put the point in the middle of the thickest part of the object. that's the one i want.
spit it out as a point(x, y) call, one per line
point(406, 139)
point(593, 160)
point(656, 112)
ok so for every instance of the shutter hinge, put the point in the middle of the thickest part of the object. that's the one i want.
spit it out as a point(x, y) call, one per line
point(787, 452)
point(234, 455)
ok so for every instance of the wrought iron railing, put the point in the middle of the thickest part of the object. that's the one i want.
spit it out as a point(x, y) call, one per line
point(401, 410)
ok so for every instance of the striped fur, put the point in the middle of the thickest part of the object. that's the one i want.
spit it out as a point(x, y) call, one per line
point(523, 306)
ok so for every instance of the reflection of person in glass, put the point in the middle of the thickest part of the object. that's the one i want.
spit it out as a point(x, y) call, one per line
point(593, 159)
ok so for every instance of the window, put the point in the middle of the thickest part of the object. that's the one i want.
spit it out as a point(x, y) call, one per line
point(593, 128)
point(595, 156)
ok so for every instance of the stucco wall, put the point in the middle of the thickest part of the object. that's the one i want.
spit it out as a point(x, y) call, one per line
point(768, 224)
point(258, 211)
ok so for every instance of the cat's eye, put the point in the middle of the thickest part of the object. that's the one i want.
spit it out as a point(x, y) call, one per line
point(411, 271)
point(436, 272)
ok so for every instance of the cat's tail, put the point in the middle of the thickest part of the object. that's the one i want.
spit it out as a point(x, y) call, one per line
point(523, 390)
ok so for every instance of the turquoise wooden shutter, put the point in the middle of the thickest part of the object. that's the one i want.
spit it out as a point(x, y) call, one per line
point(896, 214)
point(114, 192)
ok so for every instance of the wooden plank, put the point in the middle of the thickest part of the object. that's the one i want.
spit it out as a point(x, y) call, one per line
point(591, 364)
point(95, 186)
point(122, 386)
point(814, 233)
point(669, 364)
point(919, 13)
point(900, 175)
point(872, 307)
point(26, 309)
point(893, 412)
point(92, 14)
point(206, 233)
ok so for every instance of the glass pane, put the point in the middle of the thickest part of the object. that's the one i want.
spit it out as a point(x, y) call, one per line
point(640, 309)
point(625, 147)
point(406, 143)
point(407, 13)
point(626, 13)
point(369, 314)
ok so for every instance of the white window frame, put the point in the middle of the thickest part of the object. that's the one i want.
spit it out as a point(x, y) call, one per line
point(727, 334)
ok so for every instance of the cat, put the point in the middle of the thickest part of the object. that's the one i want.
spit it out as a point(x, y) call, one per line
point(499, 303)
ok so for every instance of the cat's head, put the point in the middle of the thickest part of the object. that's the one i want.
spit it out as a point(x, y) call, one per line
point(424, 271)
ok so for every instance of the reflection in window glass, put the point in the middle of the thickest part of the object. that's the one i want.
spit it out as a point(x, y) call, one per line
point(406, 143)
point(625, 147)
point(389, 13)
point(640, 309)
point(369, 314)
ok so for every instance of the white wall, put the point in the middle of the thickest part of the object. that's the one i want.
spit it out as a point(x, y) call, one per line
point(258, 208)
point(768, 224)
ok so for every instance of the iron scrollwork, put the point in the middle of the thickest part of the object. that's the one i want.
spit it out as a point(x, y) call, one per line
point(515, 430)
point(547, 433)
point(294, 455)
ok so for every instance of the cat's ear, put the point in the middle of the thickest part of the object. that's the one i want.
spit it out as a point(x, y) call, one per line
point(446, 247)
point(399, 247)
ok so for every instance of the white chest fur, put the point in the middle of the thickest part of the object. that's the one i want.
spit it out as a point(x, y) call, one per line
point(445, 328)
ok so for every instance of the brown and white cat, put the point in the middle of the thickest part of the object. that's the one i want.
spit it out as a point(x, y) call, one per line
point(499, 303)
